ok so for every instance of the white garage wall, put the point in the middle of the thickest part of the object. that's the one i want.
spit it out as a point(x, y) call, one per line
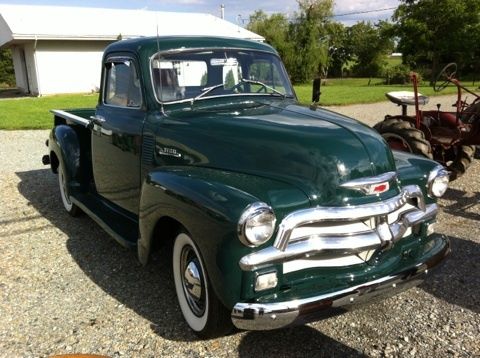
point(20, 68)
point(69, 66)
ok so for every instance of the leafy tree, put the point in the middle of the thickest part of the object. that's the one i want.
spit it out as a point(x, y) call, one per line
point(229, 80)
point(309, 35)
point(339, 53)
point(300, 41)
point(7, 74)
point(370, 47)
point(275, 29)
point(434, 32)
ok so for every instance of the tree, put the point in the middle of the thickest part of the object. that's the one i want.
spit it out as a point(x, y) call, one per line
point(432, 32)
point(275, 29)
point(299, 42)
point(7, 74)
point(308, 33)
point(339, 53)
point(370, 48)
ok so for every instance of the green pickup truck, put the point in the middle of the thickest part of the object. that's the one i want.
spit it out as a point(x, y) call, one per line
point(275, 214)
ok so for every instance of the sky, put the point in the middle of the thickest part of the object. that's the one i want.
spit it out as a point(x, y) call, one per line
point(236, 11)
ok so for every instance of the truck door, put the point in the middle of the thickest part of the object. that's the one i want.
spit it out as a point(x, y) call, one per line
point(117, 134)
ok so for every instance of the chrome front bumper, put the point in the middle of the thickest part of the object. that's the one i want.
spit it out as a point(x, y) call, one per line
point(266, 316)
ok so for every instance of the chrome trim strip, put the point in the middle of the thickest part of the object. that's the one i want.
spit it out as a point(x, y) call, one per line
point(77, 119)
point(361, 182)
point(266, 316)
point(345, 213)
point(329, 247)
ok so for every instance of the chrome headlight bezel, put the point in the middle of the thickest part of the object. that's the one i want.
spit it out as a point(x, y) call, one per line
point(252, 218)
point(437, 182)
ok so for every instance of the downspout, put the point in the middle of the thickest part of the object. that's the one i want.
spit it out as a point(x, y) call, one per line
point(36, 65)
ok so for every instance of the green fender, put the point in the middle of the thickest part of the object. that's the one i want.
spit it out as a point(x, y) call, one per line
point(414, 169)
point(208, 204)
point(65, 144)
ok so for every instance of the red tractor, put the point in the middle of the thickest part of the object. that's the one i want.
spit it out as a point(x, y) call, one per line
point(447, 137)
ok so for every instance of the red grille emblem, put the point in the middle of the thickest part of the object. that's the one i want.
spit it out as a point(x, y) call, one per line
point(380, 188)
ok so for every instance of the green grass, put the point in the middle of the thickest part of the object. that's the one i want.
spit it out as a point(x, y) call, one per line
point(356, 90)
point(34, 113)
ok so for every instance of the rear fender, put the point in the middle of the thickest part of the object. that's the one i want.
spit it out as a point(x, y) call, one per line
point(65, 144)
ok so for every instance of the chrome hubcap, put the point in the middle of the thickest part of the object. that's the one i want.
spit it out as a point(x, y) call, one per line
point(193, 281)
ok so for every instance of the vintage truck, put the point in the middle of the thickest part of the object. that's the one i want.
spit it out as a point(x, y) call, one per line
point(276, 214)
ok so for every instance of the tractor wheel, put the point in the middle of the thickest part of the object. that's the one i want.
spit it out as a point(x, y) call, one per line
point(462, 160)
point(402, 135)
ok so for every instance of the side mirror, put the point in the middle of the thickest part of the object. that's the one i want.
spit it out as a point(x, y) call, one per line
point(316, 92)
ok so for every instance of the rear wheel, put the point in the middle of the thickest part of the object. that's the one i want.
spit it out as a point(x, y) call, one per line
point(70, 207)
point(402, 135)
point(462, 159)
point(202, 310)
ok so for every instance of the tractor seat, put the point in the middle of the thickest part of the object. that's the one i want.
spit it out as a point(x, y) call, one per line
point(406, 98)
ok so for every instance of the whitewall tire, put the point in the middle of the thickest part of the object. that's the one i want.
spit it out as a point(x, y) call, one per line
point(70, 207)
point(200, 307)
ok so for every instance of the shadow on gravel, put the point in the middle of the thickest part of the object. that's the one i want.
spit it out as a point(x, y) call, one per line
point(461, 203)
point(149, 291)
point(457, 281)
point(301, 341)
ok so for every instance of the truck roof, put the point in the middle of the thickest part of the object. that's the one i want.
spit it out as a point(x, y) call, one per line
point(164, 43)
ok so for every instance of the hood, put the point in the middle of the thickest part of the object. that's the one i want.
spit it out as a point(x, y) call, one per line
point(314, 150)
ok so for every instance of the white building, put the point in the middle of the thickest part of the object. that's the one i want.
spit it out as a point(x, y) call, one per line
point(59, 49)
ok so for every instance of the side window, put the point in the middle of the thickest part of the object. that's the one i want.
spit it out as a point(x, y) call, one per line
point(122, 85)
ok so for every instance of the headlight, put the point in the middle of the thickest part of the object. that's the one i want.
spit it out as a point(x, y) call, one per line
point(438, 182)
point(256, 224)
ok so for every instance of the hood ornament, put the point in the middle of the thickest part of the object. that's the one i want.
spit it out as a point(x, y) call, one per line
point(371, 185)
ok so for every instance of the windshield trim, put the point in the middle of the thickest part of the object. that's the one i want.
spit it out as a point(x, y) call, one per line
point(196, 49)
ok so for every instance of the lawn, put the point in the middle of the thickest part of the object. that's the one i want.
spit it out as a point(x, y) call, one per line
point(33, 113)
point(356, 90)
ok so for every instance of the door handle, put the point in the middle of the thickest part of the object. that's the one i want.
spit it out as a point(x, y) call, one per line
point(99, 120)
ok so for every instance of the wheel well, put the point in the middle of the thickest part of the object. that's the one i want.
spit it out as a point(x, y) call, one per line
point(54, 162)
point(165, 231)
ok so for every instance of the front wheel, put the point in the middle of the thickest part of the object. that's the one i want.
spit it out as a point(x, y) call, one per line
point(201, 309)
point(70, 207)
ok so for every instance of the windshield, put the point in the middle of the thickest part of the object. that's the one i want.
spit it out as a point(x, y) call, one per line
point(192, 75)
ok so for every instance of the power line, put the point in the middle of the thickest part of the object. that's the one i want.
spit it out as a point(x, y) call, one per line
point(364, 12)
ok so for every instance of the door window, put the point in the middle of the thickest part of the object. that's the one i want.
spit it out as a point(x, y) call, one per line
point(122, 85)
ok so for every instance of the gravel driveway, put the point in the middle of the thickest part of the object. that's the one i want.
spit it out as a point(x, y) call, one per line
point(66, 287)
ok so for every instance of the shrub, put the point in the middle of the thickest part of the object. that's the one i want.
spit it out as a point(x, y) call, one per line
point(397, 75)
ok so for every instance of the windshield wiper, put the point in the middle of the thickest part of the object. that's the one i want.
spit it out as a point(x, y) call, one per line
point(207, 90)
point(284, 95)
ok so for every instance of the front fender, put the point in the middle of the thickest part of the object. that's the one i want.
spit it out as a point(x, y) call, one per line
point(208, 204)
point(413, 170)
point(65, 144)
